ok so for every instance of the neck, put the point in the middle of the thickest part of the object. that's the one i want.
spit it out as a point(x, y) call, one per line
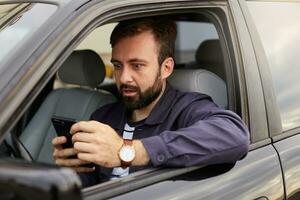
point(143, 113)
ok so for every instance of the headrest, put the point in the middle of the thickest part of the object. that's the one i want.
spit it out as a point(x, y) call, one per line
point(209, 51)
point(200, 80)
point(84, 68)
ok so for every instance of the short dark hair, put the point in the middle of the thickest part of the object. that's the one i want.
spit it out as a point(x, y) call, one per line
point(163, 29)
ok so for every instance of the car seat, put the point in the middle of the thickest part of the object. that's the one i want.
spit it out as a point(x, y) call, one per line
point(200, 80)
point(209, 56)
point(84, 68)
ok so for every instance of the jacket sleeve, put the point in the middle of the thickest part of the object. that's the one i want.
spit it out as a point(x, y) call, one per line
point(209, 135)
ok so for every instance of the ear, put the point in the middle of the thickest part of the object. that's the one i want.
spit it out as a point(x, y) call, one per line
point(167, 67)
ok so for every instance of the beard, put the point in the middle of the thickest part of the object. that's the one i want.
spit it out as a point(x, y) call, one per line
point(142, 99)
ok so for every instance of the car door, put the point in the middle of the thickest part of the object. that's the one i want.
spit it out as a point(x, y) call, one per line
point(257, 176)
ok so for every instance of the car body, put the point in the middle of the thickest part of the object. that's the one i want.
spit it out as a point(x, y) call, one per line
point(262, 87)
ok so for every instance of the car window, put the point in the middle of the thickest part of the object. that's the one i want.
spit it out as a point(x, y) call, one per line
point(22, 24)
point(190, 36)
point(98, 41)
point(281, 43)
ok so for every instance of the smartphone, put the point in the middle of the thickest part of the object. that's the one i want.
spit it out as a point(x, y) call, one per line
point(62, 127)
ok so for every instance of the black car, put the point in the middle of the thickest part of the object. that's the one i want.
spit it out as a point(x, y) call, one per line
point(54, 60)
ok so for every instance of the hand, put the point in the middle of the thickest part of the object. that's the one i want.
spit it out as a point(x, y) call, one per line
point(63, 157)
point(96, 142)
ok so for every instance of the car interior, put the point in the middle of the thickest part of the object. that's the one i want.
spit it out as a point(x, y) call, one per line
point(83, 86)
point(83, 68)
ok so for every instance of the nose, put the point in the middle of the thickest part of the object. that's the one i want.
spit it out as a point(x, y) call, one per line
point(125, 75)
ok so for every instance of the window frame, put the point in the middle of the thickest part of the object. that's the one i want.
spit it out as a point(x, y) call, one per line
point(271, 108)
point(247, 65)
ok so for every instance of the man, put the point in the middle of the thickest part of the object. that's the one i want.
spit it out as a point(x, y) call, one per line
point(154, 124)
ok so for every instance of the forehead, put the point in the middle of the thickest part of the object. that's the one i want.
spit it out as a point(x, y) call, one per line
point(142, 44)
point(137, 39)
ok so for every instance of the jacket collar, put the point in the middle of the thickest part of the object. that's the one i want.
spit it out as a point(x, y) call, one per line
point(158, 114)
point(163, 107)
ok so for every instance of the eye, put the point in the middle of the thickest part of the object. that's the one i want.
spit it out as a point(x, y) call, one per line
point(117, 66)
point(137, 66)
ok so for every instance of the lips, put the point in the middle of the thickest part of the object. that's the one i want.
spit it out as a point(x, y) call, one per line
point(128, 90)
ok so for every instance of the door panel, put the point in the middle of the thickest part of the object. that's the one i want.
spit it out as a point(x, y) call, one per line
point(256, 176)
point(289, 151)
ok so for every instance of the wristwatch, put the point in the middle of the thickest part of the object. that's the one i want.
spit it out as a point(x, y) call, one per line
point(126, 153)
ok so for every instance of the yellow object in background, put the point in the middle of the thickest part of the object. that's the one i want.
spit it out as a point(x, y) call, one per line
point(109, 70)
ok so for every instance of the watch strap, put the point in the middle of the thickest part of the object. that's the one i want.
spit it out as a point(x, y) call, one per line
point(127, 142)
point(125, 164)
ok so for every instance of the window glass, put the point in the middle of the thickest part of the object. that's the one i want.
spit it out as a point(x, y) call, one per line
point(190, 35)
point(21, 25)
point(279, 28)
point(98, 41)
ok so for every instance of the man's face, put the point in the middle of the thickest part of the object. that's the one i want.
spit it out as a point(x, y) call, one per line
point(137, 71)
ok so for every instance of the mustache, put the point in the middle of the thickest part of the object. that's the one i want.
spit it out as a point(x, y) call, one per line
point(128, 87)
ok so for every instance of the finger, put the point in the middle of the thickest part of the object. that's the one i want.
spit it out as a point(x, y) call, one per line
point(58, 141)
point(84, 169)
point(70, 162)
point(57, 148)
point(88, 127)
point(83, 147)
point(64, 153)
point(88, 157)
point(82, 126)
point(83, 137)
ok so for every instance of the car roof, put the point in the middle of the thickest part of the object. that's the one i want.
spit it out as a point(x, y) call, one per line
point(57, 2)
point(43, 1)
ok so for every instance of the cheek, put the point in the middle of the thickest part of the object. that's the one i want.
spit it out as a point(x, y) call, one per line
point(116, 77)
point(148, 82)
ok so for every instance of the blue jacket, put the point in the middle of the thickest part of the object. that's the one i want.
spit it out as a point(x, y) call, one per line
point(183, 129)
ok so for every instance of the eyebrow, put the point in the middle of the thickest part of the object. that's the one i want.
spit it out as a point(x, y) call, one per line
point(130, 61)
point(114, 61)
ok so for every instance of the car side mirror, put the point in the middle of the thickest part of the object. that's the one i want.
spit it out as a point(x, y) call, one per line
point(20, 179)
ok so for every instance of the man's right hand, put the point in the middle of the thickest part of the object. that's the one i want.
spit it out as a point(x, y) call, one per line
point(63, 157)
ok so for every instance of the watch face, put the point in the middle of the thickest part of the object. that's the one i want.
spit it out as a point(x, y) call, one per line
point(127, 153)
